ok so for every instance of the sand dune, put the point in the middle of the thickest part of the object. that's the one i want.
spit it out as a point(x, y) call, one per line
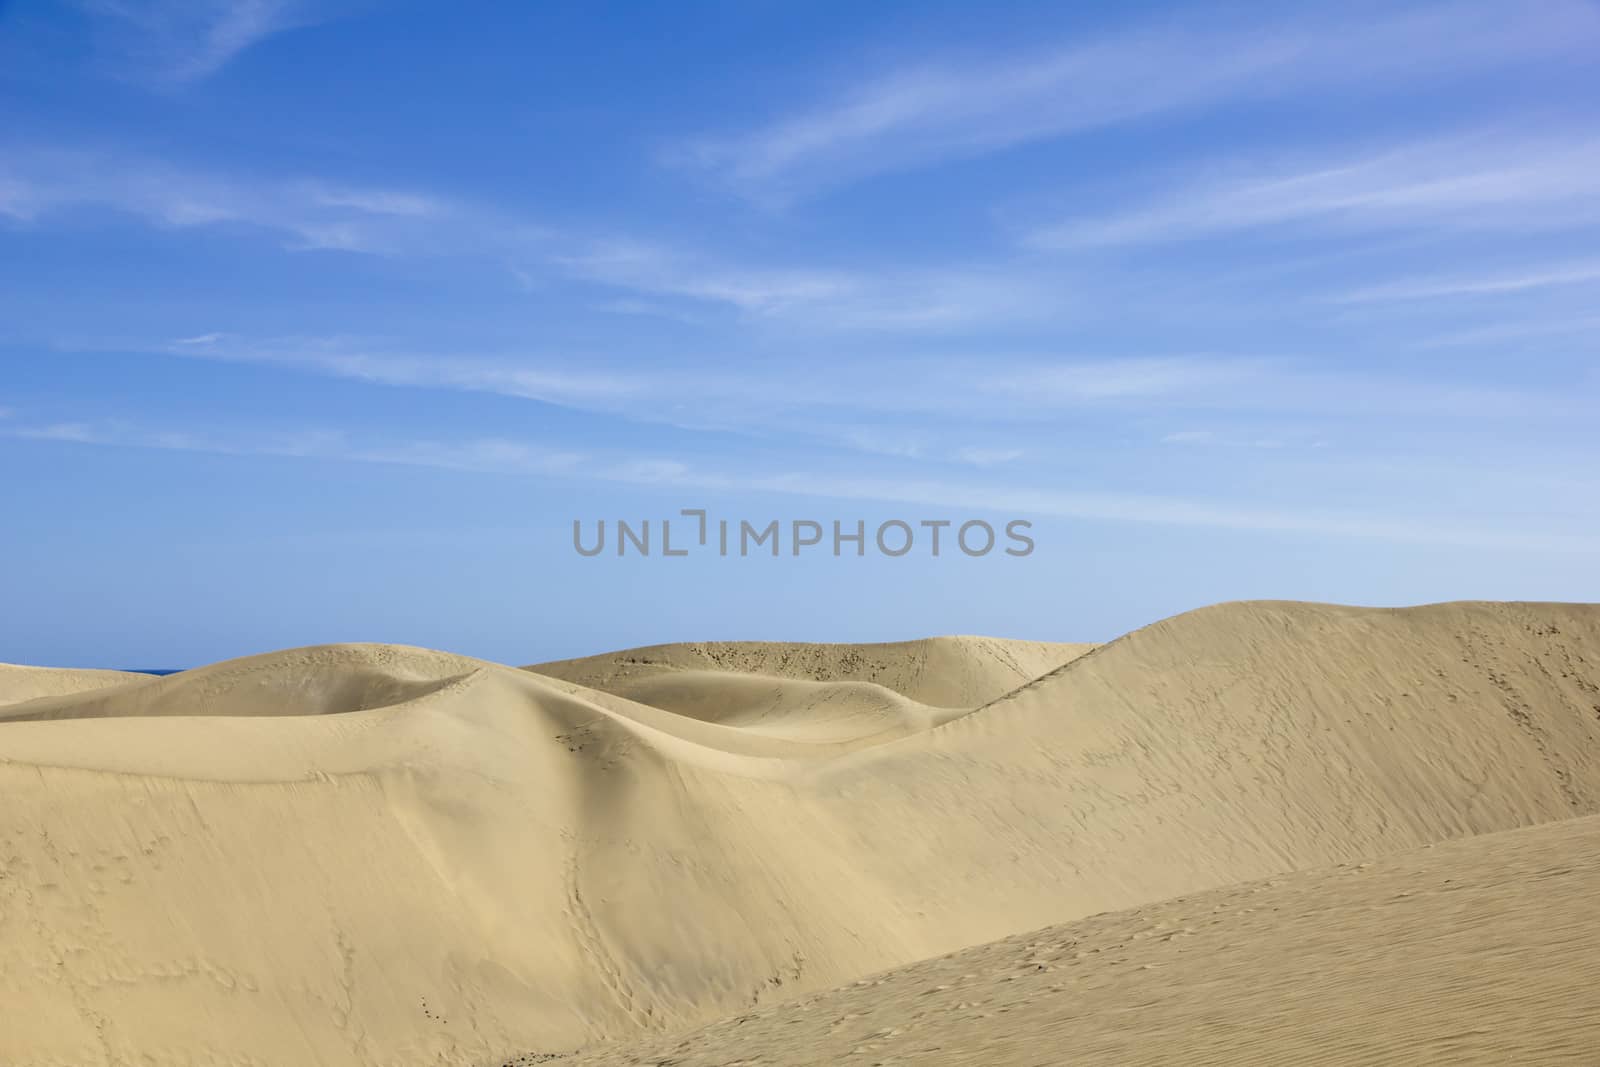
point(947, 672)
point(371, 854)
point(1485, 950)
point(306, 681)
point(29, 683)
point(842, 713)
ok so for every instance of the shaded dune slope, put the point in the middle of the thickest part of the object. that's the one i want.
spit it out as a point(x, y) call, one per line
point(1484, 950)
point(448, 861)
point(844, 713)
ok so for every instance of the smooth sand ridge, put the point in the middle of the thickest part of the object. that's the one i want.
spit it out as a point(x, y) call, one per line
point(846, 695)
point(947, 672)
point(840, 713)
point(323, 680)
point(1484, 950)
point(504, 863)
point(29, 683)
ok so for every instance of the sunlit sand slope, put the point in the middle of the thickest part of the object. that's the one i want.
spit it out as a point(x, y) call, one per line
point(1482, 951)
point(28, 683)
point(380, 855)
point(329, 679)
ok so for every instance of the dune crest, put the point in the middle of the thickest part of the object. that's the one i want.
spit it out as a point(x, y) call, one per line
point(946, 672)
point(18, 683)
point(373, 854)
point(320, 680)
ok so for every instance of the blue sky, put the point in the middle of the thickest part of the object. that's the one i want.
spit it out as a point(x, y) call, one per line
point(323, 322)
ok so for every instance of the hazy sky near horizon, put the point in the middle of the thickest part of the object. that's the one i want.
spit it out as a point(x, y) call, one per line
point(323, 322)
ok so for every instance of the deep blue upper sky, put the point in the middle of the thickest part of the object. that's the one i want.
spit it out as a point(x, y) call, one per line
point(322, 322)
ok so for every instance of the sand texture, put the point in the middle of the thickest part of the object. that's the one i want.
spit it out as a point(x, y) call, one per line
point(380, 855)
point(1479, 951)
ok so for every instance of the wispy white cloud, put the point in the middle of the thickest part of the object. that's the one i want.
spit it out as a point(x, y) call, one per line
point(174, 42)
point(988, 457)
point(40, 186)
point(1545, 277)
point(496, 455)
point(480, 454)
point(918, 443)
point(1582, 328)
point(901, 444)
point(932, 110)
point(1178, 511)
point(724, 395)
point(1070, 383)
point(1189, 437)
point(16, 197)
point(648, 268)
point(541, 380)
point(659, 309)
point(827, 397)
point(1297, 437)
point(303, 214)
point(73, 432)
point(374, 201)
point(888, 299)
point(1482, 182)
